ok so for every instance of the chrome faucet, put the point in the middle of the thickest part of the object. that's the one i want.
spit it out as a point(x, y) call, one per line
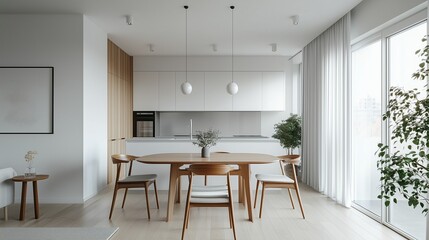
point(190, 135)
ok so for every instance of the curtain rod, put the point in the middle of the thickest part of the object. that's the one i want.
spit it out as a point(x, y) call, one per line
point(300, 51)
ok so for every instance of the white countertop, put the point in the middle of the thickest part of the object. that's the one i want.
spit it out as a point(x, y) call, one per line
point(187, 139)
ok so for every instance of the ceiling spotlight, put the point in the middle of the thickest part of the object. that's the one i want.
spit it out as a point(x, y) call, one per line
point(274, 47)
point(151, 49)
point(295, 20)
point(214, 47)
point(129, 19)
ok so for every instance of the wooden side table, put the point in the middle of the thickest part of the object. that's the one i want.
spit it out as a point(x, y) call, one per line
point(24, 181)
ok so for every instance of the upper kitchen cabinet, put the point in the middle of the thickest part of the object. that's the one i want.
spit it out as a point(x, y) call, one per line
point(145, 91)
point(195, 100)
point(216, 96)
point(249, 96)
point(273, 91)
point(166, 91)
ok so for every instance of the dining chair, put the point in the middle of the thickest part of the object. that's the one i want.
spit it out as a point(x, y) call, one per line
point(279, 181)
point(185, 172)
point(209, 196)
point(131, 181)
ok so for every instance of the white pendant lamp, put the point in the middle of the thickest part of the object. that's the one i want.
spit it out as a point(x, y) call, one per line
point(232, 87)
point(186, 87)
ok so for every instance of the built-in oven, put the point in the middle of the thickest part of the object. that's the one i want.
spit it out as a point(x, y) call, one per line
point(144, 124)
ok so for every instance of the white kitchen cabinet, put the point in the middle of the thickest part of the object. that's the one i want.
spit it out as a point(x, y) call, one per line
point(216, 96)
point(249, 96)
point(195, 100)
point(166, 91)
point(273, 91)
point(145, 91)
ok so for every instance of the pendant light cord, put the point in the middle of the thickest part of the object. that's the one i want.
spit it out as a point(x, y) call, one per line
point(186, 43)
point(232, 41)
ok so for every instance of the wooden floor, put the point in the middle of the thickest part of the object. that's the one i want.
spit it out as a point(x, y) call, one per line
point(325, 219)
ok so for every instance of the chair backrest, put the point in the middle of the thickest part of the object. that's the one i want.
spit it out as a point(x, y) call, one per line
point(118, 159)
point(210, 169)
point(7, 186)
point(292, 160)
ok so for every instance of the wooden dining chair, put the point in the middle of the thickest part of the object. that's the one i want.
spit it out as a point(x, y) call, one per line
point(209, 196)
point(131, 181)
point(279, 181)
point(185, 172)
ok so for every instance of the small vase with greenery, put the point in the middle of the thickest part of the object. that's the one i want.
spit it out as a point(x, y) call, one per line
point(206, 140)
point(289, 133)
point(404, 165)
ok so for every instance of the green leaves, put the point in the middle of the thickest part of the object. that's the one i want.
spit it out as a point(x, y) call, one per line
point(207, 138)
point(404, 165)
point(289, 132)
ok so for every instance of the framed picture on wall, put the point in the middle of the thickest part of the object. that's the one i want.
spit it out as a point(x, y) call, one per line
point(26, 100)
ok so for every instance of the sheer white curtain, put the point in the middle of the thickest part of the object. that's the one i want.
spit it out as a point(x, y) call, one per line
point(326, 113)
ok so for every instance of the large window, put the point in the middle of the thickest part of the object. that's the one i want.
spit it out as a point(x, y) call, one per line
point(379, 62)
point(366, 125)
point(401, 63)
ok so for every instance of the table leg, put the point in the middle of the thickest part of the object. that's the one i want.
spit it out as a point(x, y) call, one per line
point(23, 201)
point(245, 171)
point(36, 200)
point(174, 173)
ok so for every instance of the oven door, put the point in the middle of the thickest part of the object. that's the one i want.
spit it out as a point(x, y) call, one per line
point(144, 128)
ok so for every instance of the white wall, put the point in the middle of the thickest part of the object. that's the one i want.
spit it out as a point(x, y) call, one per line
point(49, 40)
point(94, 108)
point(223, 63)
point(58, 40)
point(370, 14)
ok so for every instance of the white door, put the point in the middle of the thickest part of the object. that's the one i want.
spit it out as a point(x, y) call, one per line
point(166, 91)
point(145, 91)
point(273, 91)
point(249, 96)
point(216, 96)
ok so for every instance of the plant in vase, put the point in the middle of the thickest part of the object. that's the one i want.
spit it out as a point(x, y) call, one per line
point(289, 133)
point(206, 140)
point(31, 171)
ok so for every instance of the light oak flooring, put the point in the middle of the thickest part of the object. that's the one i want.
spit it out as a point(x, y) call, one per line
point(324, 219)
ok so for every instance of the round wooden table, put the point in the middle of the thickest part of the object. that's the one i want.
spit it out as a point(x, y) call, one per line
point(24, 181)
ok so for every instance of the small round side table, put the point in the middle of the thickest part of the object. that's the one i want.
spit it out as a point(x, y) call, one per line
point(24, 181)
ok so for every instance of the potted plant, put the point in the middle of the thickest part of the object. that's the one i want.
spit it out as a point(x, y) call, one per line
point(289, 133)
point(404, 165)
point(206, 140)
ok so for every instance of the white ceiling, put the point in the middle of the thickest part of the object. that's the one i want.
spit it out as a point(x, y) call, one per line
point(257, 23)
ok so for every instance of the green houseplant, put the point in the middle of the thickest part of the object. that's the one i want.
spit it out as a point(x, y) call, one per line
point(289, 133)
point(206, 140)
point(404, 165)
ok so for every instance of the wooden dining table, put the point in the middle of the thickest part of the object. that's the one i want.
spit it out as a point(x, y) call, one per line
point(242, 160)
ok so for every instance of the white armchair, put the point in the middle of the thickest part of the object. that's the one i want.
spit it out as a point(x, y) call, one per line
point(7, 189)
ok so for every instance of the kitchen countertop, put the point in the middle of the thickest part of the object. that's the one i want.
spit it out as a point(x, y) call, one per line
point(186, 139)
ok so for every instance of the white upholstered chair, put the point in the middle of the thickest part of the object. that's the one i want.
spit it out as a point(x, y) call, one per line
point(7, 189)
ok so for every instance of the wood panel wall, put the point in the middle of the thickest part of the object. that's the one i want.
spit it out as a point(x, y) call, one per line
point(120, 102)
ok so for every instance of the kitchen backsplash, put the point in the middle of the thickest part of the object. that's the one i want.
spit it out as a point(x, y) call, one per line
point(228, 123)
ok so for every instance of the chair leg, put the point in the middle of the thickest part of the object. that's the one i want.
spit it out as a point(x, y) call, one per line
point(5, 214)
point(299, 200)
point(256, 194)
point(147, 200)
point(125, 197)
point(262, 200)
point(156, 193)
point(291, 199)
point(231, 209)
point(188, 205)
point(205, 180)
point(187, 218)
point(113, 201)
